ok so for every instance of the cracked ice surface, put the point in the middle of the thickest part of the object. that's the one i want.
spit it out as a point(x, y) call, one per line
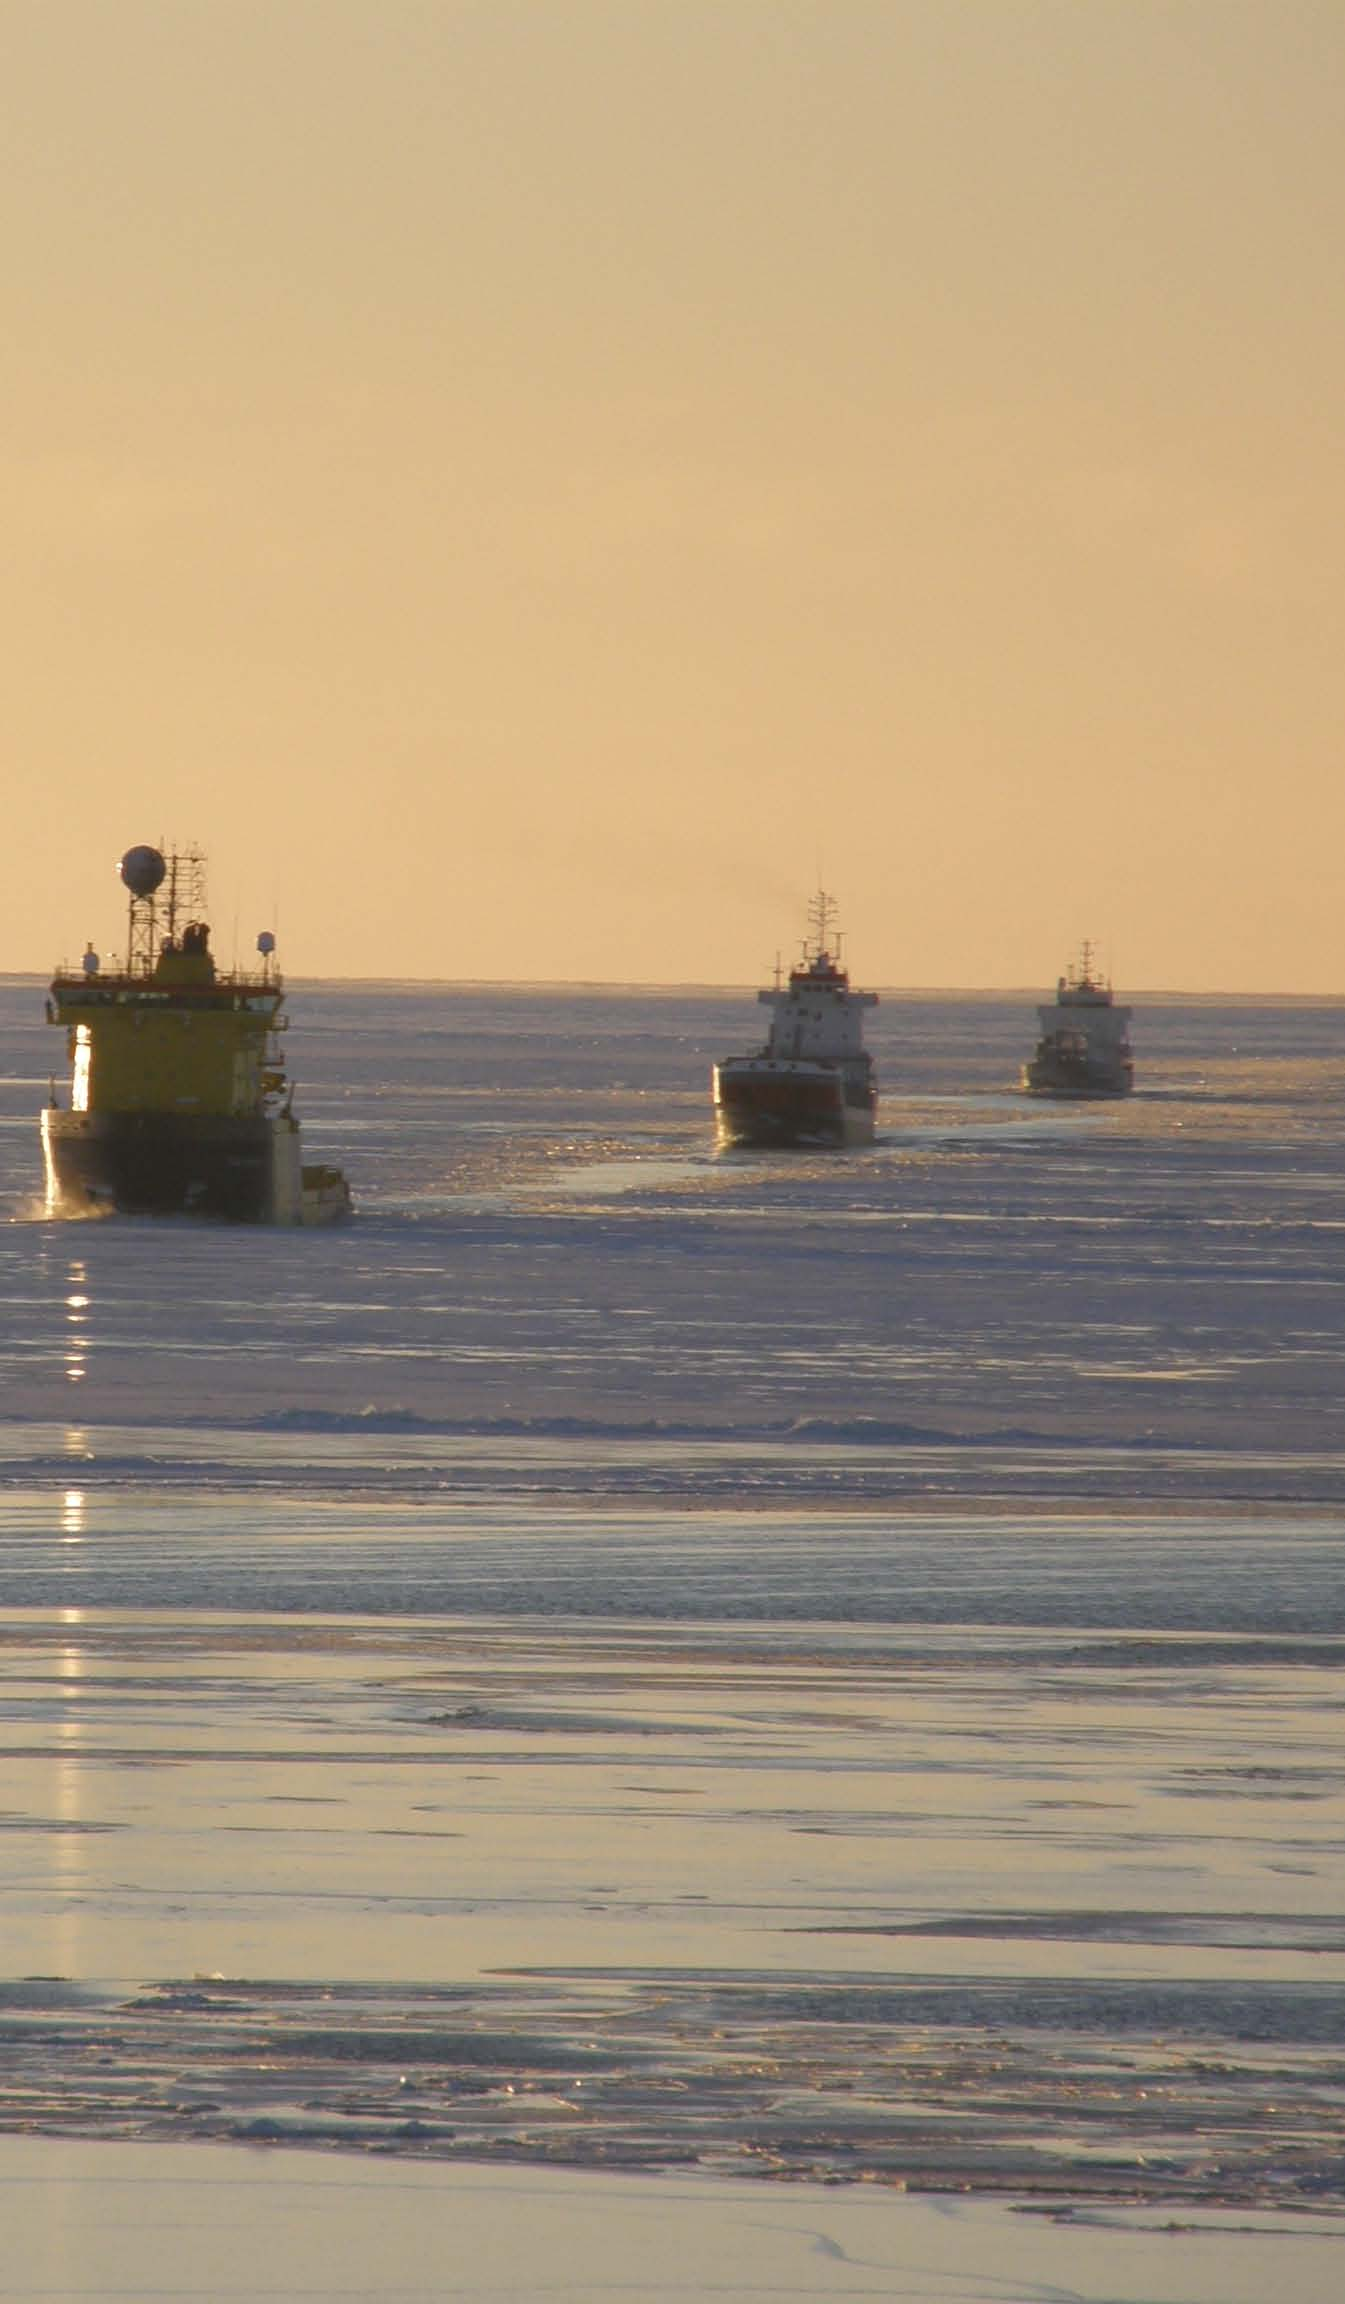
point(627, 1660)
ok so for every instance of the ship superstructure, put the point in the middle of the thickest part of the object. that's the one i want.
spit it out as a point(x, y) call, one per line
point(813, 1083)
point(1084, 1048)
point(177, 1101)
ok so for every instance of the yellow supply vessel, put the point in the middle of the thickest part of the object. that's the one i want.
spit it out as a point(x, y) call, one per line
point(177, 1102)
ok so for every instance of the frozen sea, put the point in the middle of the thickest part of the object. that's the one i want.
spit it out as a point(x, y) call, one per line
point(628, 1666)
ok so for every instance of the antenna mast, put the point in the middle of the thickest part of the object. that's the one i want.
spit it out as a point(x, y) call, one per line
point(821, 919)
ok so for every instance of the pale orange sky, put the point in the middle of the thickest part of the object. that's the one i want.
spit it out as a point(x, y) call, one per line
point(528, 484)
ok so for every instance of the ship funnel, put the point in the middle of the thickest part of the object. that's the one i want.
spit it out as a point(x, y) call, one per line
point(143, 870)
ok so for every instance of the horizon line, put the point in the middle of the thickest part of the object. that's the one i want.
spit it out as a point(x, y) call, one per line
point(671, 985)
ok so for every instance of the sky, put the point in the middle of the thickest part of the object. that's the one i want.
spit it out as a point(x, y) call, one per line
point(534, 487)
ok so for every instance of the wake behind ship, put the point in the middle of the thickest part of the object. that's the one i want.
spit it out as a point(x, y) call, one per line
point(813, 1083)
point(177, 1101)
point(1084, 1048)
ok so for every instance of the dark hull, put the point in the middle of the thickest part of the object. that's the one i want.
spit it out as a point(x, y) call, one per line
point(772, 1109)
point(158, 1164)
point(1050, 1074)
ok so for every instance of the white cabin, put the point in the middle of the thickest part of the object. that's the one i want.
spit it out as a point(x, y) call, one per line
point(1099, 1023)
point(1084, 1009)
point(816, 1018)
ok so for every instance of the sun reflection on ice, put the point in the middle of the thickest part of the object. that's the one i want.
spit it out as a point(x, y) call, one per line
point(69, 1879)
point(77, 1304)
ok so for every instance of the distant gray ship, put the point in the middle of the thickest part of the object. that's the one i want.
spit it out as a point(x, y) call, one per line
point(1084, 1049)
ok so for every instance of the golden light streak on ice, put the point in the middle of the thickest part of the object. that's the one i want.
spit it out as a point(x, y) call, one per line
point(77, 1306)
point(70, 1881)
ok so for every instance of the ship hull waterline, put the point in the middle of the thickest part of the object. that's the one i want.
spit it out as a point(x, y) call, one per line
point(161, 1164)
point(1047, 1077)
point(768, 1108)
